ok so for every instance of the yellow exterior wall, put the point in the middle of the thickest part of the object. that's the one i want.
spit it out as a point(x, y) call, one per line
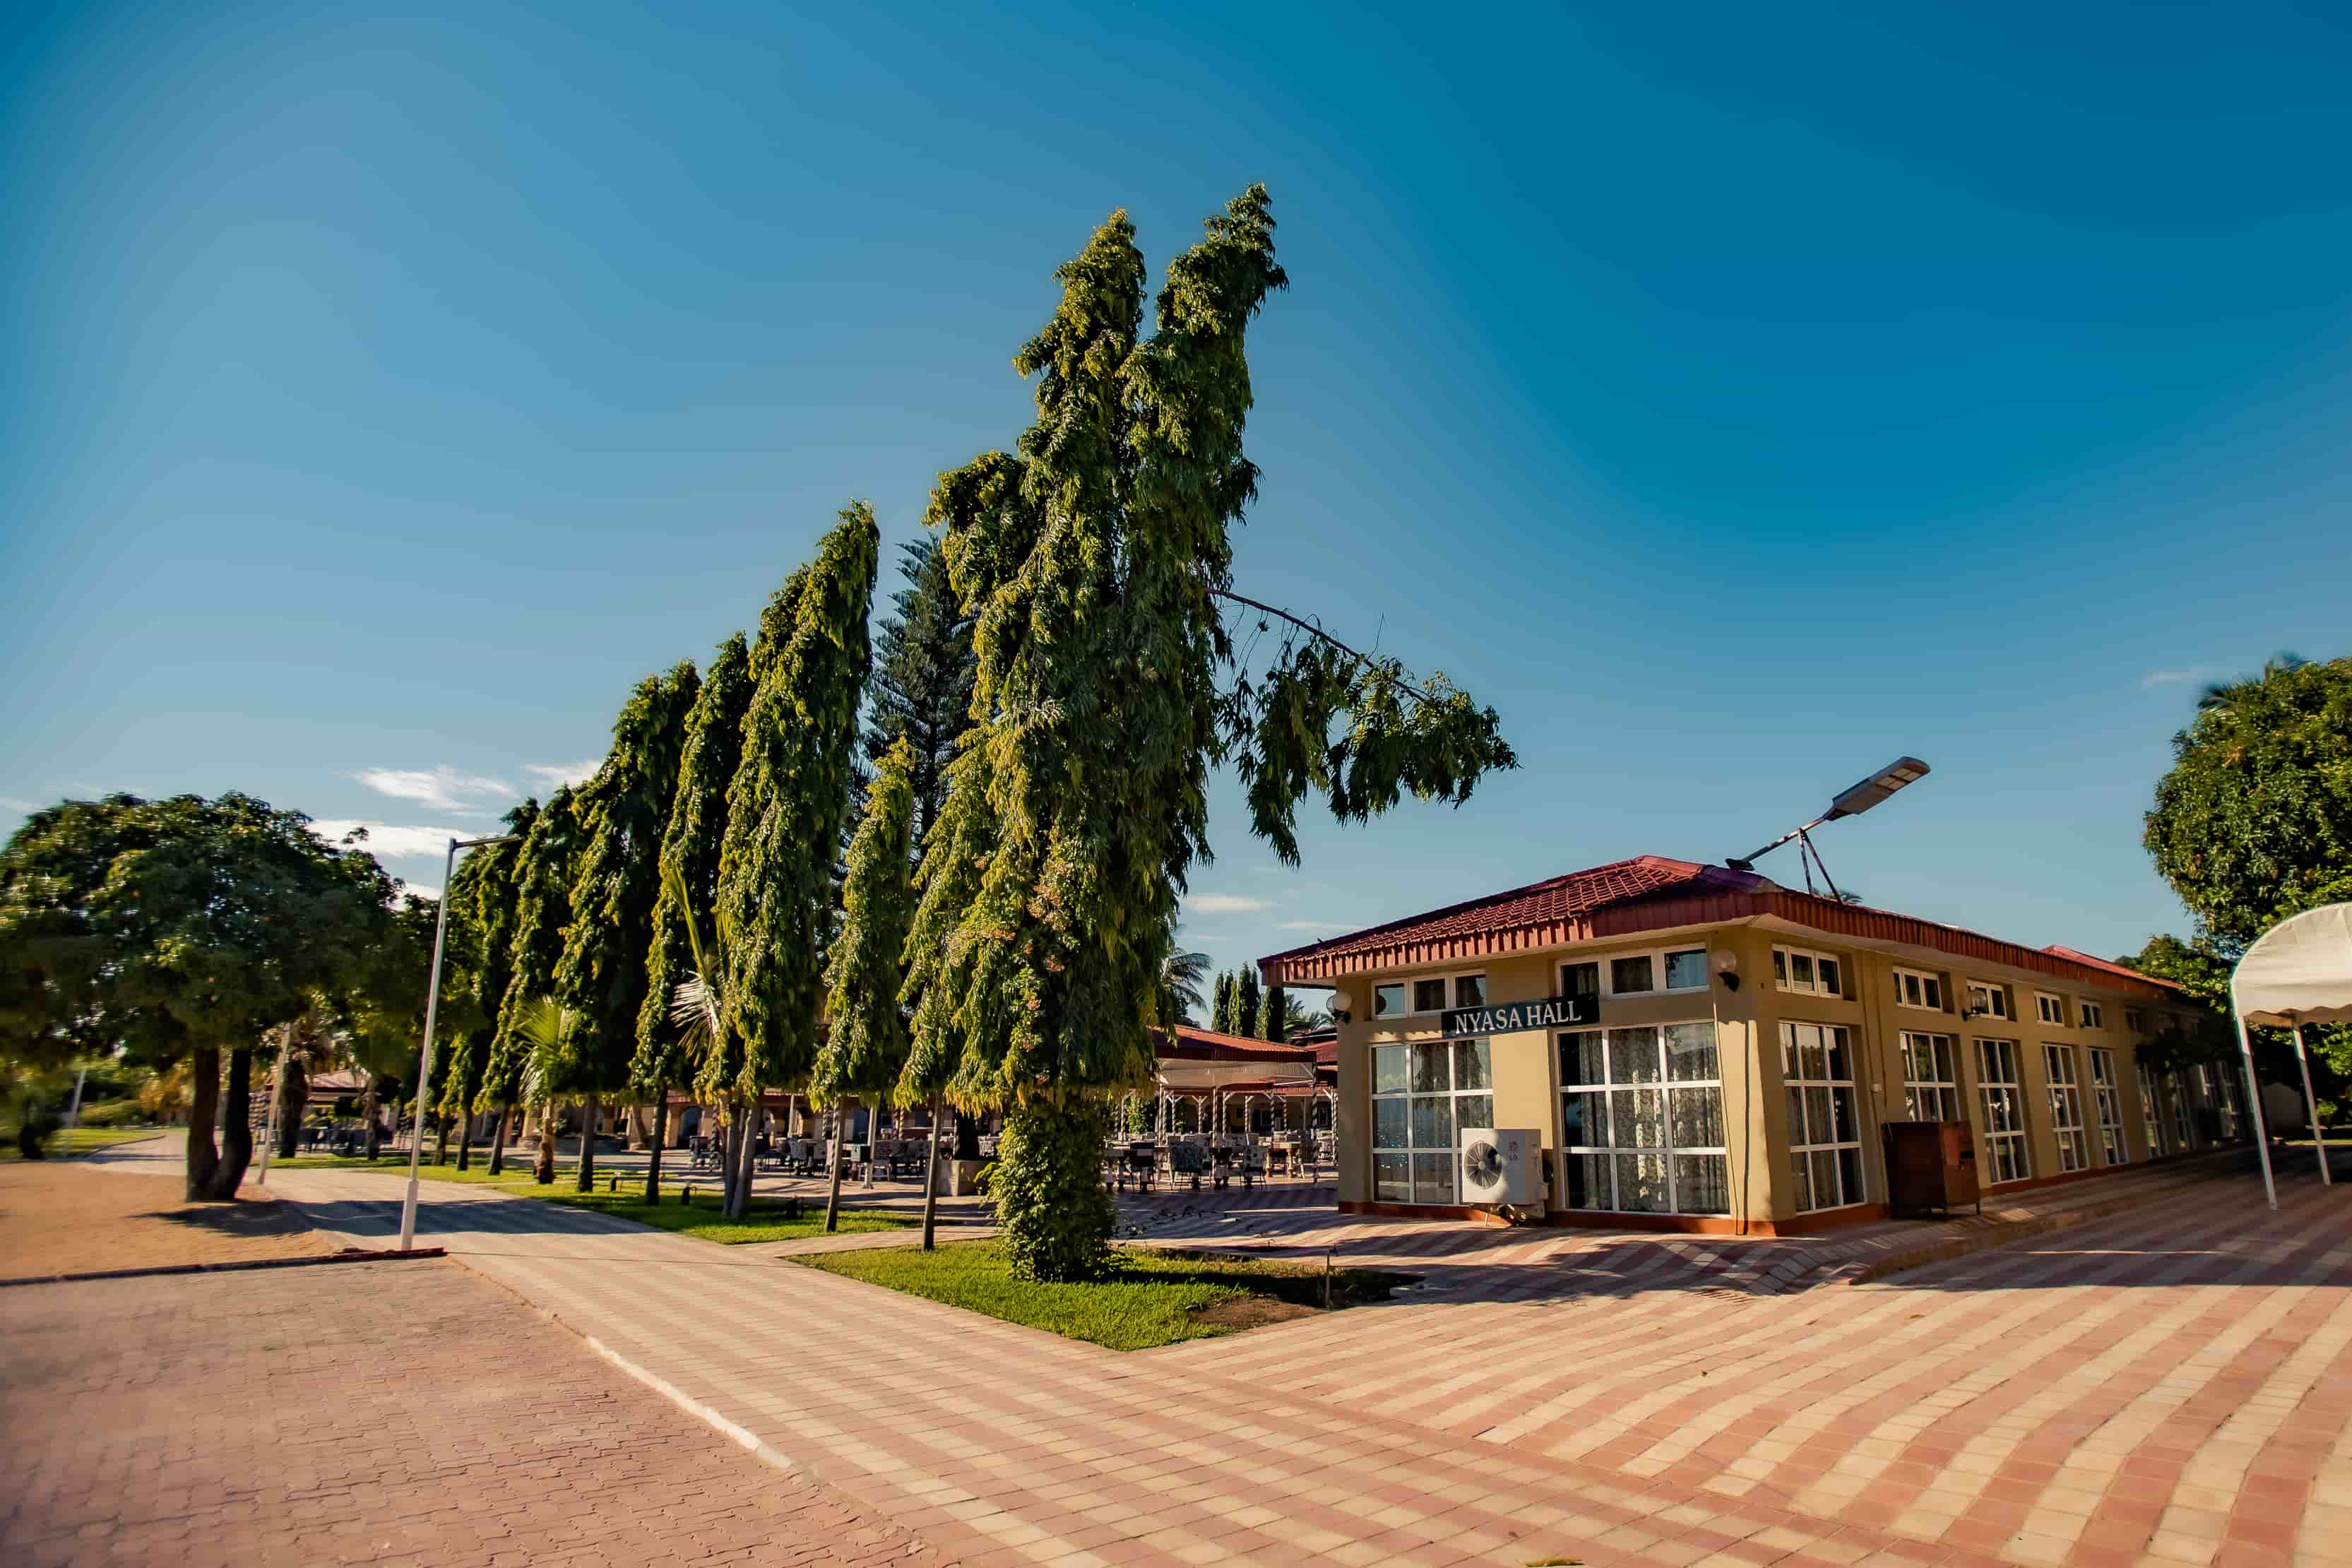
point(1747, 1018)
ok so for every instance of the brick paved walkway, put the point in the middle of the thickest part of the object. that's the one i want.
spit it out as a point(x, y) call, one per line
point(411, 1414)
point(1668, 1427)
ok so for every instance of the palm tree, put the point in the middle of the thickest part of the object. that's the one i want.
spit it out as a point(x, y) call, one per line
point(544, 1026)
point(1180, 979)
point(2224, 693)
point(1296, 1017)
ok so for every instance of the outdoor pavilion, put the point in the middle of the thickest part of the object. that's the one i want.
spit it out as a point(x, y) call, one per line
point(2299, 972)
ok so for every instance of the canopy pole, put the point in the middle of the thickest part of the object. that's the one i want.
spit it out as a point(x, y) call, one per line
point(2254, 1099)
point(2311, 1102)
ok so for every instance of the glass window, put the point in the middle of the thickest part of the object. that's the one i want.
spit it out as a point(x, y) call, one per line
point(2109, 1098)
point(1814, 973)
point(1916, 988)
point(1642, 1121)
point(2049, 1009)
point(1686, 969)
point(1469, 991)
point(1388, 1001)
point(1428, 995)
point(2150, 1114)
point(2093, 1016)
point(2066, 1108)
point(1423, 1095)
point(1989, 1001)
point(1580, 980)
point(1931, 1090)
point(1631, 976)
point(2007, 1159)
point(1824, 1123)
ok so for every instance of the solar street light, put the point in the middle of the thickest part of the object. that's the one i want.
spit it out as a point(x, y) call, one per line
point(1852, 801)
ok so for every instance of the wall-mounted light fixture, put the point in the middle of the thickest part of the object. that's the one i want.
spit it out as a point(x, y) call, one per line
point(1727, 964)
point(1337, 1008)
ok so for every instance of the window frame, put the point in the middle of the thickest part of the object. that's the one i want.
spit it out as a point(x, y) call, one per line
point(1928, 981)
point(2151, 1110)
point(2005, 1137)
point(1946, 1091)
point(1657, 956)
point(1449, 992)
point(2064, 1090)
point(2107, 1106)
point(1783, 969)
point(1995, 992)
point(1800, 1090)
point(1669, 1152)
point(1405, 1000)
point(1412, 1151)
point(2090, 1014)
point(2049, 1008)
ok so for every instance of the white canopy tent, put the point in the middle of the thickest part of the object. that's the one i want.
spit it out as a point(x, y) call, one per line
point(1192, 1076)
point(2299, 973)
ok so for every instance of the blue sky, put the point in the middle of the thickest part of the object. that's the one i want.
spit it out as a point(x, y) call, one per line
point(1734, 397)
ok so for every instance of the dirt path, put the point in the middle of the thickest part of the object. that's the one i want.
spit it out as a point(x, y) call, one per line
point(66, 1216)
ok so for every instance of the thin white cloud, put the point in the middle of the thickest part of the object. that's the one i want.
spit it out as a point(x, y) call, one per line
point(387, 842)
point(555, 775)
point(1313, 925)
point(420, 889)
point(1222, 904)
point(2172, 677)
point(10, 803)
point(442, 788)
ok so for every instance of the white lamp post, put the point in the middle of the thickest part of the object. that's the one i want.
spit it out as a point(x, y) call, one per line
point(432, 1006)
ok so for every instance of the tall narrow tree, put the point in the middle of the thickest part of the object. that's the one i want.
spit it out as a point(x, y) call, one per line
point(921, 689)
point(1246, 1001)
point(1096, 560)
point(544, 875)
point(690, 870)
point(493, 874)
point(601, 980)
point(786, 808)
point(866, 1045)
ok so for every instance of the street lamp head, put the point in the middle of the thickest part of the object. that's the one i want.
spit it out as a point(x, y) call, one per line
point(1858, 799)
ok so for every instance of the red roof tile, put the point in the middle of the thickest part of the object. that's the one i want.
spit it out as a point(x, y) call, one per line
point(1198, 1045)
point(1648, 893)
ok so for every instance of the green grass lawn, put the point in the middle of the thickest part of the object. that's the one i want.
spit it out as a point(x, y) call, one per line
point(766, 1222)
point(81, 1139)
point(1152, 1298)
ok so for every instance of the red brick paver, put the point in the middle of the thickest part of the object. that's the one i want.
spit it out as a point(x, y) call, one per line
point(364, 1413)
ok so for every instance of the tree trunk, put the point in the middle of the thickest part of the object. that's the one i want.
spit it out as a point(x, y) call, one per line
point(833, 1192)
point(542, 1169)
point(292, 1095)
point(739, 1199)
point(588, 1143)
point(652, 1160)
point(440, 1139)
point(931, 1180)
point(236, 1128)
point(204, 1106)
point(465, 1136)
point(639, 1126)
point(498, 1139)
point(368, 1108)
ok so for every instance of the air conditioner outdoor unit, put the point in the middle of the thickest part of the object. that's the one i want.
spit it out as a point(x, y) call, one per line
point(1502, 1167)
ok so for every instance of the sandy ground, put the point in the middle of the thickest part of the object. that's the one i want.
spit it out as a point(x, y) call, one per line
point(64, 1216)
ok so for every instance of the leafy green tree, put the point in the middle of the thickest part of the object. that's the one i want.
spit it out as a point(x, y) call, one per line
point(1248, 1019)
point(543, 878)
point(1272, 1015)
point(488, 881)
point(2253, 823)
point(1227, 1019)
point(1097, 562)
point(866, 1048)
point(176, 930)
point(697, 817)
point(602, 981)
point(921, 689)
point(786, 808)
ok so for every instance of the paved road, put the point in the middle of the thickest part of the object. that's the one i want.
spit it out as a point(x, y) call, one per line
point(406, 1413)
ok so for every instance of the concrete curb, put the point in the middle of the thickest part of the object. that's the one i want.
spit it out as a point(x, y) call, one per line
point(743, 1437)
point(348, 1254)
